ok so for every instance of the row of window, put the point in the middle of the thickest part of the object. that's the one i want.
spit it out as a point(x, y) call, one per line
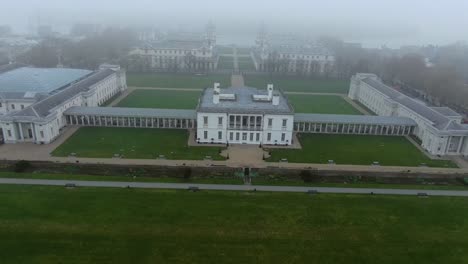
point(244, 120)
point(245, 136)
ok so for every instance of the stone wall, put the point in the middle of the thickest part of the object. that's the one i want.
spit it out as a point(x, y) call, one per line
point(270, 174)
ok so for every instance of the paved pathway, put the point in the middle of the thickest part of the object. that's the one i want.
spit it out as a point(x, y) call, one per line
point(237, 80)
point(224, 187)
point(236, 60)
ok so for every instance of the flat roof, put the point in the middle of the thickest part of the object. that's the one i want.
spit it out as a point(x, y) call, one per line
point(244, 103)
point(41, 80)
point(354, 119)
point(132, 112)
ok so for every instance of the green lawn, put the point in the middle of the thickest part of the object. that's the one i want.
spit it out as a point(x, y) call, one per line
point(226, 63)
point(224, 49)
point(136, 143)
point(168, 80)
point(125, 178)
point(245, 63)
point(243, 51)
point(41, 224)
point(321, 104)
point(299, 84)
point(256, 180)
point(357, 150)
point(169, 99)
point(354, 183)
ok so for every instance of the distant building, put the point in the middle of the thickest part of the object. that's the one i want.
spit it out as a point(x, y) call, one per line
point(290, 55)
point(440, 129)
point(179, 53)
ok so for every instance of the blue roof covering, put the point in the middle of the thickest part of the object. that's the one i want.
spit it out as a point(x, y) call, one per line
point(43, 80)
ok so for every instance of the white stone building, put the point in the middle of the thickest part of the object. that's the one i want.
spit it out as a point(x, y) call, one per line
point(244, 115)
point(179, 53)
point(440, 129)
point(42, 121)
point(291, 56)
point(22, 86)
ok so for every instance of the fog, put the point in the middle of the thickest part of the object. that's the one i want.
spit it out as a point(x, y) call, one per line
point(370, 22)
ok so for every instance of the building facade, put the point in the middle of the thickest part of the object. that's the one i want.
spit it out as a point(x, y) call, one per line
point(43, 121)
point(244, 115)
point(291, 56)
point(440, 129)
point(178, 53)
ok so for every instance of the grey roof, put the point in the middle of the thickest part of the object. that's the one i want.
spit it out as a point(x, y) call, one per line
point(439, 120)
point(244, 103)
point(29, 96)
point(354, 119)
point(132, 112)
point(446, 111)
point(43, 108)
point(26, 79)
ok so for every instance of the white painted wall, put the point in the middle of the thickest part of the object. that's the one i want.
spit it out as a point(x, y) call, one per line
point(46, 130)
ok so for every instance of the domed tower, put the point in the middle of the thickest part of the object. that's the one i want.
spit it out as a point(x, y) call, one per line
point(261, 43)
point(210, 34)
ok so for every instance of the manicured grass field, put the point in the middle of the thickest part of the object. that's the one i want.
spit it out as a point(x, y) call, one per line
point(127, 178)
point(233, 179)
point(299, 84)
point(161, 99)
point(224, 49)
point(42, 224)
point(168, 80)
point(357, 150)
point(321, 104)
point(133, 143)
point(226, 63)
point(245, 63)
point(243, 51)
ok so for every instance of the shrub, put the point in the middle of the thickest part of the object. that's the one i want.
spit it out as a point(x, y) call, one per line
point(306, 175)
point(187, 173)
point(22, 165)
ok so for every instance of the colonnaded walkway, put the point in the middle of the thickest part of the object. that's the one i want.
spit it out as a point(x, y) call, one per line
point(225, 187)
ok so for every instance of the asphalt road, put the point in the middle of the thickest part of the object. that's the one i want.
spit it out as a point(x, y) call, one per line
point(225, 187)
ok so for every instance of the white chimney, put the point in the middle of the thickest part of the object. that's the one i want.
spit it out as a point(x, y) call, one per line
point(275, 100)
point(270, 91)
point(216, 88)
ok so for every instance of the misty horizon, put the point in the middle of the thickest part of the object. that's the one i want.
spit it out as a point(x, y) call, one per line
point(372, 24)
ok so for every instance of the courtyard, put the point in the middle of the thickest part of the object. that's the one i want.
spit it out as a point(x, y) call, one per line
point(168, 99)
point(321, 104)
point(174, 80)
point(42, 224)
point(226, 62)
point(357, 150)
point(134, 143)
point(298, 84)
point(178, 99)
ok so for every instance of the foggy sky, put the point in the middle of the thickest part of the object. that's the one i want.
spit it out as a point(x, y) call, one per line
point(372, 22)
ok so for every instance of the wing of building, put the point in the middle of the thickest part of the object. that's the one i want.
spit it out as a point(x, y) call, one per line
point(439, 128)
point(33, 100)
